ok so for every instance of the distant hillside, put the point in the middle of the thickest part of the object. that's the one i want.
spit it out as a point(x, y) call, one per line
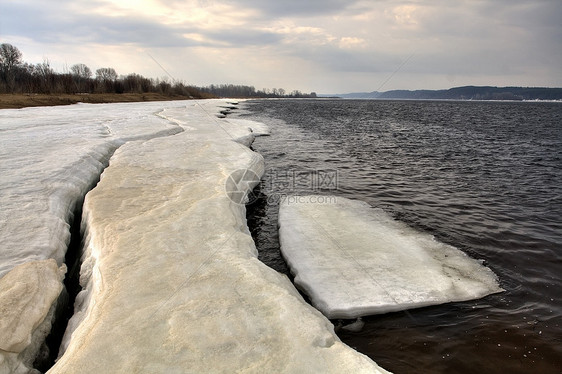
point(354, 95)
point(464, 93)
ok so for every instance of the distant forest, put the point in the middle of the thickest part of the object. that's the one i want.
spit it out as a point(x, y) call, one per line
point(465, 93)
point(19, 77)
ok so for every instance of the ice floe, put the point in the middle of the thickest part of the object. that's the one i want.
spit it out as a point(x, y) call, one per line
point(354, 260)
point(171, 281)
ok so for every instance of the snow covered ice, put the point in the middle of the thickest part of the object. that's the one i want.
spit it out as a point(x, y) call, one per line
point(51, 156)
point(354, 260)
point(171, 281)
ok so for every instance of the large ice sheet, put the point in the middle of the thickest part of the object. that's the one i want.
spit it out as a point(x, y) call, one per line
point(354, 260)
point(171, 279)
point(51, 156)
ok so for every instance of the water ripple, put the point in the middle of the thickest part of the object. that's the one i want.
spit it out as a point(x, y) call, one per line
point(485, 177)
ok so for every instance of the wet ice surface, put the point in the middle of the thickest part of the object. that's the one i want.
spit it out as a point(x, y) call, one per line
point(170, 278)
point(353, 260)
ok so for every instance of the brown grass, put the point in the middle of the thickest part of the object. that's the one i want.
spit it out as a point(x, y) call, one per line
point(15, 101)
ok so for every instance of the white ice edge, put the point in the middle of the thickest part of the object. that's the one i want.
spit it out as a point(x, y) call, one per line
point(172, 282)
point(353, 260)
point(257, 128)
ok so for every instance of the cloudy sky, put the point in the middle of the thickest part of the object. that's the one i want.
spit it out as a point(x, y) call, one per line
point(326, 46)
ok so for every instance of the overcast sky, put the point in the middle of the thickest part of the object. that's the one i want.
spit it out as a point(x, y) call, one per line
point(326, 46)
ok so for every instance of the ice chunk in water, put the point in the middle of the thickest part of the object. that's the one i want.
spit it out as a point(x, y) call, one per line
point(354, 260)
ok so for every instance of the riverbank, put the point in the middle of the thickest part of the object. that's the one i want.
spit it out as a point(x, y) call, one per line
point(17, 101)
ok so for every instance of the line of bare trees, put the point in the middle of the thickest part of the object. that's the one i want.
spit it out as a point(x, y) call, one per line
point(17, 76)
point(242, 91)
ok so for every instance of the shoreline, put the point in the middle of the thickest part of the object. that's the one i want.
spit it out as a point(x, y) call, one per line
point(19, 101)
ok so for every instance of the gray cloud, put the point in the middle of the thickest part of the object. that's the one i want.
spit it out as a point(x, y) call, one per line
point(244, 37)
point(59, 25)
point(500, 39)
point(62, 26)
point(296, 8)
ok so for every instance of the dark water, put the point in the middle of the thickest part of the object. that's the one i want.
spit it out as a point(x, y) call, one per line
point(485, 177)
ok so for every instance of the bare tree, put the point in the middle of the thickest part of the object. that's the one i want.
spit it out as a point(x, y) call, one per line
point(10, 59)
point(44, 69)
point(81, 71)
point(45, 75)
point(81, 75)
point(106, 74)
